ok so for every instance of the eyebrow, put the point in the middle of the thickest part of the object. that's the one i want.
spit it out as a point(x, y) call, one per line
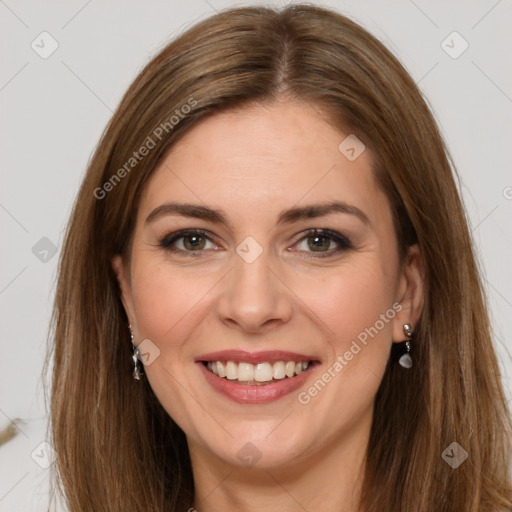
point(285, 216)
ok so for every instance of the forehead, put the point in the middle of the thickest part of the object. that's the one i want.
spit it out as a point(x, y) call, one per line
point(263, 158)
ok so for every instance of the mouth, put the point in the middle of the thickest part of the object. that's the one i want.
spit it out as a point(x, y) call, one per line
point(259, 374)
point(256, 377)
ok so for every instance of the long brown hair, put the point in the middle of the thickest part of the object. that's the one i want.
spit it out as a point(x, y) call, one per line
point(117, 448)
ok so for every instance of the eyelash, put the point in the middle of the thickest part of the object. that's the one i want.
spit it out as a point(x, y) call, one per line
point(343, 242)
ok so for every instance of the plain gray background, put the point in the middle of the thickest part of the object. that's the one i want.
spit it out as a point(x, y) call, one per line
point(54, 110)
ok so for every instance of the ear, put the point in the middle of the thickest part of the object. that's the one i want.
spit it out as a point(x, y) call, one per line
point(121, 271)
point(410, 293)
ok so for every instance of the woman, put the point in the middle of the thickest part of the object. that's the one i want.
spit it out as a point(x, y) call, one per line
point(268, 296)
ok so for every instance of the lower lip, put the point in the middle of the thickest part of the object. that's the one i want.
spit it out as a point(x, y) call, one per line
point(256, 394)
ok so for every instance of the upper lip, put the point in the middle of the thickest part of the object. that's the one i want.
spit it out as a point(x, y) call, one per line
point(243, 356)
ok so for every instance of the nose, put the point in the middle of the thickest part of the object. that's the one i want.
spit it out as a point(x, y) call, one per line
point(255, 298)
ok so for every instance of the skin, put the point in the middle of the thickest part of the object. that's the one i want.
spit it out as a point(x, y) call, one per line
point(252, 164)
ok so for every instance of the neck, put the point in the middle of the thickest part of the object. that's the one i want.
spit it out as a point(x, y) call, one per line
point(329, 479)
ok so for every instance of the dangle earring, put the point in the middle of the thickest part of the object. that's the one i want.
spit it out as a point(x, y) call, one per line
point(406, 360)
point(136, 374)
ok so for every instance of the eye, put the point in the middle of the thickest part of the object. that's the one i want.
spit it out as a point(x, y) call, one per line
point(187, 241)
point(320, 241)
point(195, 241)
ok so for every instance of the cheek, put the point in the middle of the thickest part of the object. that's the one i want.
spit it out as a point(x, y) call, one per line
point(354, 303)
point(169, 306)
point(357, 306)
point(168, 302)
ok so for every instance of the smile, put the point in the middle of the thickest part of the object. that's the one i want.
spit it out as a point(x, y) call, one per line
point(257, 377)
point(259, 373)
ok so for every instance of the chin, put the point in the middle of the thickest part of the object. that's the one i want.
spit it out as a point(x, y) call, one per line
point(265, 448)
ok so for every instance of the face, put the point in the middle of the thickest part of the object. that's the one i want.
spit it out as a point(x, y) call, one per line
point(295, 308)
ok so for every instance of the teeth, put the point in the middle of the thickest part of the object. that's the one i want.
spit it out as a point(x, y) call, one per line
point(260, 372)
point(278, 370)
point(245, 371)
point(290, 369)
point(231, 370)
point(221, 372)
point(263, 372)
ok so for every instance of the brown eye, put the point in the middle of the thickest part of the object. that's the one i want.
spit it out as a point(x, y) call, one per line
point(187, 241)
point(318, 243)
point(321, 241)
point(194, 242)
